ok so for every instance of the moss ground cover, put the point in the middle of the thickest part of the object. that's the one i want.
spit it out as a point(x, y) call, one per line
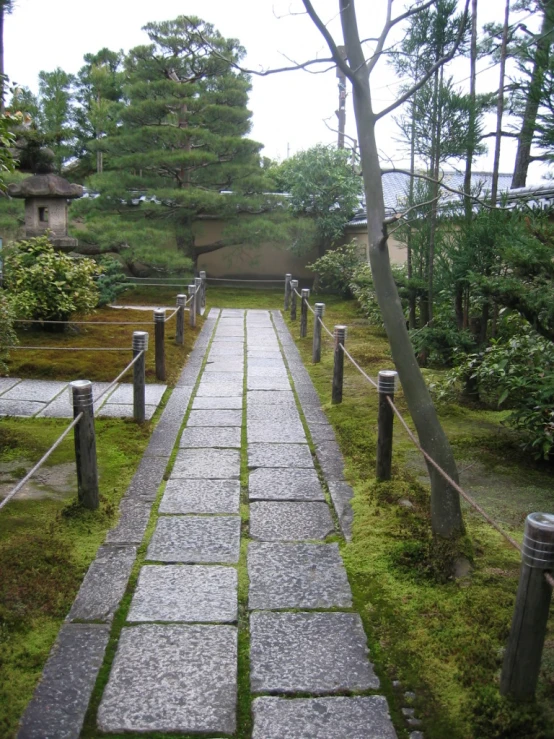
point(47, 545)
point(442, 638)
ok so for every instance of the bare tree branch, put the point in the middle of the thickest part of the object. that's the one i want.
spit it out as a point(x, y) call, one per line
point(382, 39)
point(399, 216)
point(321, 27)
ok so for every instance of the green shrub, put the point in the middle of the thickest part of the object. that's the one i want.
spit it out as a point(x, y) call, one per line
point(361, 286)
point(337, 268)
point(45, 284)
point(7, 334)
point(111, 282)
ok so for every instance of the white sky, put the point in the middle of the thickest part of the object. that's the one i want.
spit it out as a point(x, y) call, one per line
point(288, 109)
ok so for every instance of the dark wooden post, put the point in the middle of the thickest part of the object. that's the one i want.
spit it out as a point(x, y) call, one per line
point(385, 387)
point(304, 312)
point(522, 659)
point(316, 347)
point(159, 342)
point(288, 278)
point(180, 323)
point(192, 305)
point(198, 300)
point(140, 344)
point(293, 286)
point(85, 444)
point(338, 367)
point(203, 291)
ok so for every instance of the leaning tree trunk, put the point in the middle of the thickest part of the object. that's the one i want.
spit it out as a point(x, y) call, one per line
point(446, 513)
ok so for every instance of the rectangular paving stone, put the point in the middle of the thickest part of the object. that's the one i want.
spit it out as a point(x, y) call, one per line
point(222, 339)
point(265, 353)
point(104, 584)
point(267, 483)
point(224, 364)
point(270, 373)
point(269, 397)
point(201, 496)
point(269, 362)
point(187, 593)
point(206, 464)
point(289, 521)
point(226, 351)
point(196, 539)
point(219, 377)
point(309, 652)
point(296, 576)
point(331, 460)
point(148, 477)
point(219, 390)
point(215, 418)
point(315, 416)
point(358, 717)
point(8, 382)
point(175, 678)
point(283, 414)
point(121, 410)
point(279, 455)
point(233, 403)
point(62, 405)
point(280, 433)
point(133, 520)
point(124, 394)
point(206, 436)
point(24, 408)
point(61, 698)
point(341, 495)
point(322, 432)
point(39, 390)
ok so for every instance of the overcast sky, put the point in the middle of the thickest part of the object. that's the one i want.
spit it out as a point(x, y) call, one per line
point(289, 110)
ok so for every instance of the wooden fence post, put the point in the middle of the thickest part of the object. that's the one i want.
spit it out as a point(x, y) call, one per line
point(85, 444)
point(522, 659)
point(140, 344)
point(192, 305)
point(198, 299)
point(203, 291)
point(288, 278)
point(159, 342)
point(293, 286)
point(385, 387)
point(304, 312)
point(338, 367)
point(316, 346)
point(180, 323)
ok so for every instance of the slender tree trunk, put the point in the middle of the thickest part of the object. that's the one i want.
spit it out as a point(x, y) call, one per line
point(528, 123)
point(411, 291)
point(446, 514)
point(2, 72)
point(459, 305)
point(472, 111)
point(500, 106)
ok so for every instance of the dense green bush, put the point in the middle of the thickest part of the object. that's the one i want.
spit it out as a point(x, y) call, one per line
point(111, 282)
point(336, 269)
point(45, 284)
point(7, 334)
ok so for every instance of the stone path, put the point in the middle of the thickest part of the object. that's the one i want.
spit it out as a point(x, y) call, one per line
point(46, 398)
point(175, 667)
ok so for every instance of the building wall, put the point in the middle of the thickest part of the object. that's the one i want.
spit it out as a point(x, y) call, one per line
point(397, 250)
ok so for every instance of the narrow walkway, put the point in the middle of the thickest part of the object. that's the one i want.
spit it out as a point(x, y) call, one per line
point(176, 664)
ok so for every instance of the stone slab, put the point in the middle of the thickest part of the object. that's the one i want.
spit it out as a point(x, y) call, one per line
point(261, 431)
point(225, 365)
point(104, 584)
point(201, 496)
point(215, 418)
point(121, 410)
point(62, 405)
point(39, 390)
point(341, 495)
point(185, 593)
point(219, 377)
point(206, 464)
point(284, 484)
point(23, 408)
point(196, 539)
point(359, 717)
point(309, 652)
point(232, 403)
point(266, 362)
point(331, 460)
point(133, 520)
point(8, 382)
point(204, 436)
point(222, 339)
point(278, 414)
point(265, 353)
point(219, 390)
point(148, 477)
point(275, 373)
point(322, 432)
point(61, 698)
point(296, 576)
point(280, 455)
point(269, 397)
point(315, 416)
point(174, 678)
point(124, 394)
point(225, 350)
point(289, 521)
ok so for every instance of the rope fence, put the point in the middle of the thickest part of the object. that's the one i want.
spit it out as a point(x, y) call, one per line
point(523, 653)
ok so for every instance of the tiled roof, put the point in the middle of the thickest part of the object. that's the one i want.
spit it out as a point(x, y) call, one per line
point(396, 186)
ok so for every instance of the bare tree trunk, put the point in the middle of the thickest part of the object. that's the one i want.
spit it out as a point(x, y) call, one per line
point(2, 85)
point(500, 106)
point(525, 138)
point(446, 514)
point(411, 292)
point(472, 112)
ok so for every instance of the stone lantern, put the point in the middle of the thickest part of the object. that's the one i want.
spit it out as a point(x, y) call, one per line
point(46, 203)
